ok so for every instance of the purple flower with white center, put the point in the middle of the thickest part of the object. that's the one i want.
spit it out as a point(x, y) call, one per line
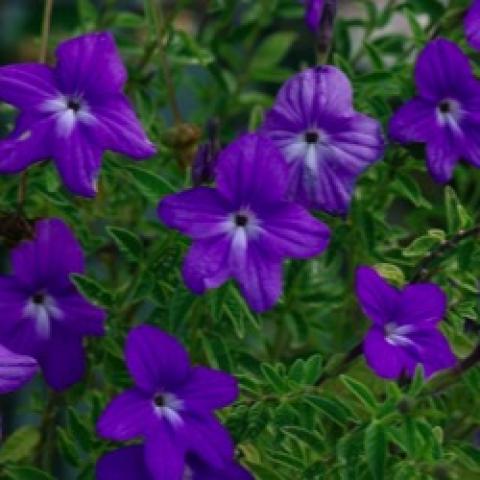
point(244, 228)
point(171, 406)
point(15, 370)
point(325, 142)
point(43, 315)
point(128, 463)
point(472, 25)
point(71, 113)
point(404, 333)
point(445, 114)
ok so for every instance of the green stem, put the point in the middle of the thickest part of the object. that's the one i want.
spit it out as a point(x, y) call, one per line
point(159, 24)
point(46, 445)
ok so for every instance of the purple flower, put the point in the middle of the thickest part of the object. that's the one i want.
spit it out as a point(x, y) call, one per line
point(128, 463)
point(404, 332)
point(326, 143)
point(72, 112)
point(472, 25)
point(171, 406)
point(446, 112)
point(244, 228)
point(313, 13)
point(15, 370)
point(42, 313)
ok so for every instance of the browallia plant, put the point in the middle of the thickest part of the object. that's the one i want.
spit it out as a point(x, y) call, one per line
point(239, 240)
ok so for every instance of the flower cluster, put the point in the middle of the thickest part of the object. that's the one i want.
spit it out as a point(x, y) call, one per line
point(308, 154)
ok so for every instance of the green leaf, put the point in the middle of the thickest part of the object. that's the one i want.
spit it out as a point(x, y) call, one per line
point(333, 409)
point(457, 216)
point(391, 273)
point(362, 392)
point(312, 369)
point(273, 377)
point(127, 242)
point(309, 437)
point(150, 184)
point(409, 189)
point(78, 430)
point(19, 445)
point(376, 449)
point(92, 290)
point(67, 447)
point(420, 246)
point(87, 11)
point(272, 50)
point(129, 20)
point(27, 473)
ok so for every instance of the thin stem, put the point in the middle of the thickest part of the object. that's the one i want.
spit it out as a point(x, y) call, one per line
point(159, 23)
point(46, 445)
point(352, 355)
point(42, 58)
point(47, 20)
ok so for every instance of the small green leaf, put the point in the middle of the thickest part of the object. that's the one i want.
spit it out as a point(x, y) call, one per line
point(376, 449)
point(457, 216)
point(127, 242)
point(272, 50)
point(312, 369)
point(273, 377)
point(67, 447)
point(19, 444)
point(150, 184)
point(79, 430)
point(27, 473)
point(90, 289)
point(362, 392)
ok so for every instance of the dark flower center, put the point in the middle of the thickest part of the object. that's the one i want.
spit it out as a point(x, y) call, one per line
point(74, 105)
point(38, 298)
point(445, 106)
point(159, 400)
point(311, 137)
point(241, 220)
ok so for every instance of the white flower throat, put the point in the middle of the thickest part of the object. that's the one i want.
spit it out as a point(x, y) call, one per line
point(42, 309)
point(167, 405)
point(449, 112)
point(68, 110)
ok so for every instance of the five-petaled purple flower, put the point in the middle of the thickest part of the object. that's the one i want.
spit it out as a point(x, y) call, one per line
point(171, 406)
point(472, 25)
point(72, 112)
point(128, 463)
point(326, 143)
point(244, 228)
point(15, 370)
point(446, 112)
point(42, 314)
point(404, 332)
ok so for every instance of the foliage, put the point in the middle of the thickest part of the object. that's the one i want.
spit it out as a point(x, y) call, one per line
point(228, 63)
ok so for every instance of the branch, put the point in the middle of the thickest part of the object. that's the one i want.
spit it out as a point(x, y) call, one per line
point(422, 272)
